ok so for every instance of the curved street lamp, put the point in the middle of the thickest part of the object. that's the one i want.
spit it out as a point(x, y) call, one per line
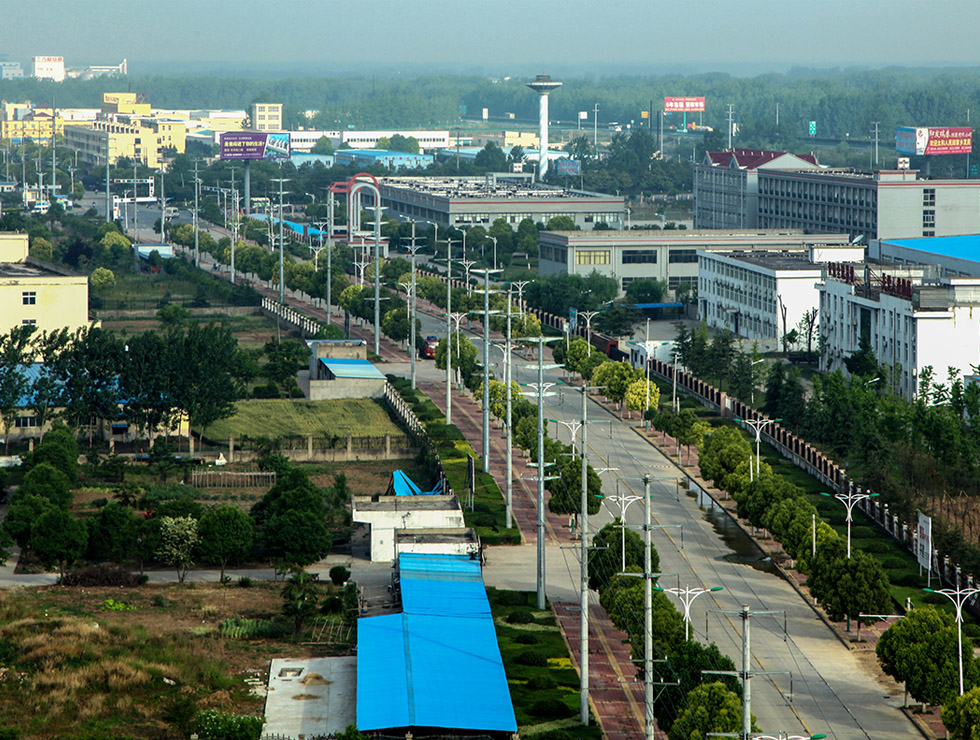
point(958, 596)
point(687, 595)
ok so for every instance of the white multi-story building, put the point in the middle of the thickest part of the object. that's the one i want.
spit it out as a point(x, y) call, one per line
point(726, 185)
point(670, 256)
point(428, 140)
point(912, 316)
point(763, 294)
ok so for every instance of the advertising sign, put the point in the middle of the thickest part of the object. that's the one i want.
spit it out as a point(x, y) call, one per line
point(923, 548)
point(928, 141)
point(572, 318)
point(583, 115)
point(568, 167)
point(683, 105)
point(254, 145)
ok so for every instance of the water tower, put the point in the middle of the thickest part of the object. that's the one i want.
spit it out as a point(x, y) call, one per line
point(542, 85)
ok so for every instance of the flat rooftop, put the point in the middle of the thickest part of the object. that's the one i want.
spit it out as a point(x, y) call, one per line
point(407, 503)
point(774, 260)
point(484, 188)
point(31, 270)
point(311, 697)
point(965, 247)
point(435, 536)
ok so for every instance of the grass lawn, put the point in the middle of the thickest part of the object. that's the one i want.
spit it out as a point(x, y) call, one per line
point(283, 417)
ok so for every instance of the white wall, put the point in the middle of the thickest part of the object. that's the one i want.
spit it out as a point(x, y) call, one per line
point(385, 523)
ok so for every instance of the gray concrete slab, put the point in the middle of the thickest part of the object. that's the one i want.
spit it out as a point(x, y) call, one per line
point(310, 697)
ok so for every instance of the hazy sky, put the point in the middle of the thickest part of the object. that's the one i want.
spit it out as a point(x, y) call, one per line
point(496, 37)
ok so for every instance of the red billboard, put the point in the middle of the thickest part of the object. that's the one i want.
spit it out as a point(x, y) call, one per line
point(926, 141)
point(683, 105)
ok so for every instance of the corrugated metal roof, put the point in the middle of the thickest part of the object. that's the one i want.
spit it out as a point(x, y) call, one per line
point(343, 368)
point(438, 663)
point(959, 247)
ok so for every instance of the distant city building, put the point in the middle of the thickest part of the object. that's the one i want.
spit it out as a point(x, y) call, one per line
point(885, 204)
point(479, 201)
point(670, 256)
point(726, 185)
point(35, 126)
point(125, 103)
point(913, 317)
point(384, 157)
point(37, 295)
point(48, 68)
point(428, 140)
point(11, 70)
point(266, 117)
point(761, 294)
point(133, 137)
point(99, 70)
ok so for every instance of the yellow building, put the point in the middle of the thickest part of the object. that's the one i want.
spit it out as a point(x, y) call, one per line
point(36, 127)
point(523, 139)
point(35, 294)
point(124, 104)
point(132, 137)
point(266, 117)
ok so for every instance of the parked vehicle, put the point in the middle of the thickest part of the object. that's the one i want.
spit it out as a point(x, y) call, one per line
point(428, 350)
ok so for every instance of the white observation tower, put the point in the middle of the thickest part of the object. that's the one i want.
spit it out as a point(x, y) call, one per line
point(542, 85)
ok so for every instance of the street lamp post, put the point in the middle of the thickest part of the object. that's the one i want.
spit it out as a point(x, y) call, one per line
point(588, 316)
point(752, 374)
point(410, 294)
point(624, 502)
point(849, 500)
point(467, 264)
point(687, 595)
point(958, 596)
point(449, 330)
point(757, 426)
point(486, 369)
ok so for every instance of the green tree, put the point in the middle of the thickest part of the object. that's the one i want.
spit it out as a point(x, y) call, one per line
point(683, 671)
point(48, 482)
point(642, 394)
point(41, 249)
point(57, 538)
point(615, 377)
point(859, 585)
point(920, 650)
point(226, 534)
point(102, 279)
point(646, 290)
point(58, 449)
point(15, 350)
point(296, 537)
point(961, 716)
point(300, 597)
point(722, 452)
point(323, 146)
point(24, 510)
point(605, 557)
point(561, 223)
point(491, 158)
point(400, 143)
point(112, 534)
point(178, 538)
point(863, 362)
point(708, 708)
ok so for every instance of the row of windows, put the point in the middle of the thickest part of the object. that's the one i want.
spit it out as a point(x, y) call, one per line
point(639, 256)
point(592, 257)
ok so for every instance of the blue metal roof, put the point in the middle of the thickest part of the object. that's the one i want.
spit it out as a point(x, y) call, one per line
point(342, 368)
point(437, 664)
point(402, 485)
point(959, 247)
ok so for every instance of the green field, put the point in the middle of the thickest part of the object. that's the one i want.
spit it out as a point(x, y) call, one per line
point(361, 417)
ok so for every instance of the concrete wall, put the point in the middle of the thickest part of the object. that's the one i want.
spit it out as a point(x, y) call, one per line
point(13, 247)
point(331, 390)
point(384, 523)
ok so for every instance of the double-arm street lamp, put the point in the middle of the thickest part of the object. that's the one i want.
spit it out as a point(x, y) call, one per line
point(687, 595)
point(849, 500)
point(958, 596)
point(757, 426)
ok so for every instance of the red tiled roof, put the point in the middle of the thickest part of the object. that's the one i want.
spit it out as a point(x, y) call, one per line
point(750, 159)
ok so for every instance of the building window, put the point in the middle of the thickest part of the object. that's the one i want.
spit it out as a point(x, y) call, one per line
point(928, 219)
point(928, 196)
point(682, 255)
point(674, 282)
point(29, 322)
point(592, 257)
point(928, 232)
point(25, 422)
point(639, 256)
point(29, 297)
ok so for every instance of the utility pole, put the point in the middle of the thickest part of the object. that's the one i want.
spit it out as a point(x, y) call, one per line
point(595, 130)
point(54, 152)
point(136, 202)
point(282, 241)
point(876, 124)
point(509, 496)
point(234, 223)
point(486, 369)
point(647, 614)
point(377, 274)
point(163, 210)
point(108, 207)
point(330, 227)
point(197, 246)
point(413, 249)
point(584, 565)
point(449, 331)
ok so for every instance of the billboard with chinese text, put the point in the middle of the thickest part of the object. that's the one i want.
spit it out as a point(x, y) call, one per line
point(254, 145)
point(683, 105)
point(568, 167)
point(927, 141)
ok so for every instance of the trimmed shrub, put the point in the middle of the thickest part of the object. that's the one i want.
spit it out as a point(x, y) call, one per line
point(512, 598)
point(542, 683)
point(101, 575)
point(520, 616)
point(531, 658)
point(339, 575)
point(244, 582)
point(526, 638)
point(551, 709)
point(332, 605)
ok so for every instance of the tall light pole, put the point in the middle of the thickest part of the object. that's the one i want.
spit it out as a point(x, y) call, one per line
point(467, 264)
point(520, 285)
point(624, 502)
point(413, 249)
point(584, 565)
point(486, 369)
point(282, 243)
point(647, 614)
point(377, 276)
point(757, 426)
point(449, 331)
point(958, 596)
point(540, 392)
point(849, 500)
point(509, 499)
point(588, 316)
point(687, 595)
point(197, 244)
